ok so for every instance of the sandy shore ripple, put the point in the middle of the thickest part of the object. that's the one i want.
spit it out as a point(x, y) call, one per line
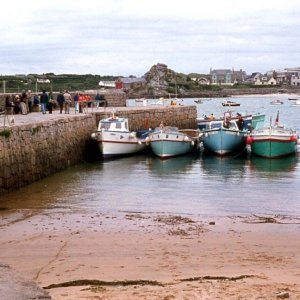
point(154, 256)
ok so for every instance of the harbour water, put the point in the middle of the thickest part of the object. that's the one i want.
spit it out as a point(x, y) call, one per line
point(195, 184)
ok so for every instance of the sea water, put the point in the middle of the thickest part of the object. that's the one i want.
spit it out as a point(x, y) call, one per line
point(194, 184)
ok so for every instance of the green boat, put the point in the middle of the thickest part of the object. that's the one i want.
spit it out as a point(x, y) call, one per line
point(273, 142)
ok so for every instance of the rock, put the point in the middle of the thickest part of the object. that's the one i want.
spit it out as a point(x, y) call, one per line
point(14, 286)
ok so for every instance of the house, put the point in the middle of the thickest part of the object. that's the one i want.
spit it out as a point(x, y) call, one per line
point(227, 76)
point(128, 83)
point(107, 84)
point(260, 79)
point(42, 80)
point(294, 76)
point(201, 80)
point(221, 77)
point(295, 80)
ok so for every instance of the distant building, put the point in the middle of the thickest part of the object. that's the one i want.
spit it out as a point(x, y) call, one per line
point(251, 79)
point(201, 80)
point(107, 84)
point(42, 80)
point(128, 83)
point(264, 80)
point(227, 76)
point(295, 80)
point(294, 75)
point(221, 77)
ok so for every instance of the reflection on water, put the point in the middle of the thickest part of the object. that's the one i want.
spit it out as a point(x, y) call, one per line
point(278, 166)
point(175, 165)
point(191, 184)
point(223, 168)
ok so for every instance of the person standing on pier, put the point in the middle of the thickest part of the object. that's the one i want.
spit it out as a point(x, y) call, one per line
point(60, 100)
point(68, 100)
point(76, 98)
point(44, 99)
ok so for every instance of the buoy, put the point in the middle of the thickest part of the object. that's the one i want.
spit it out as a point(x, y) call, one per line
point(294, 138)
point(249, 140)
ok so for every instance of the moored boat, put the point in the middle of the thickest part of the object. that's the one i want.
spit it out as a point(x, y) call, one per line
point(230, 103)
point(115, 139)
point(167, 141)
point(276, 102)
point(295, 103)
point(249, 120)
point(273, 141)
point(224, 137)
point(198, 101)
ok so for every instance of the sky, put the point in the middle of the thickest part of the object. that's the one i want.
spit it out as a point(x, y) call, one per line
point(127, 37)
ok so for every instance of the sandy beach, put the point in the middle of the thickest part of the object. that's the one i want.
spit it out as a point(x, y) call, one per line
point(154, 256)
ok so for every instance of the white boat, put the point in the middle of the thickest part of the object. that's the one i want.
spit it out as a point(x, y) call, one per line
point(115, 139)
point(276, 102)
point(295, 103)
point(167, 141)
point(230, 103)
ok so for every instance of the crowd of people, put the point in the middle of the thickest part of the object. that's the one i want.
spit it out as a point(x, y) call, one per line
point(27, 101)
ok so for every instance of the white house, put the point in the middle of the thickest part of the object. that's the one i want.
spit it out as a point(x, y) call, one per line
point(107, 84)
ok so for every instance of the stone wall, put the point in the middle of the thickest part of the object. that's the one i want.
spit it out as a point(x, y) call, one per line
point(33, 151)
point(184, 117)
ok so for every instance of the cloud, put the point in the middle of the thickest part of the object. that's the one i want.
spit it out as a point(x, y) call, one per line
point(125, 37)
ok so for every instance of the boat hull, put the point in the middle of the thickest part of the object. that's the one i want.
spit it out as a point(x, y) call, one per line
point(273, 149)
point(113, 144)
point(273, 142)
point(166, 145)
point(223, 141)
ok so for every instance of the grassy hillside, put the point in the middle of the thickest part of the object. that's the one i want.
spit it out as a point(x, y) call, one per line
point(72, 82)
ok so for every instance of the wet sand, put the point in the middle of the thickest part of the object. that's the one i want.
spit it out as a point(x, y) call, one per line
point(153, 256)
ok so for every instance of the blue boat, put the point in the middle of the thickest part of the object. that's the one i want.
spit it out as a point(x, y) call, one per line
point(224, 137)
point(166, 141)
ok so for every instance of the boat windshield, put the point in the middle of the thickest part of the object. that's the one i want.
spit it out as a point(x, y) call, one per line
point(215, 125)
point(116, 125)
point(104, 125)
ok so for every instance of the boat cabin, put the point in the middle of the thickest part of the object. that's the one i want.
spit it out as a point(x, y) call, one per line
point(221, 124)
point(114, 124)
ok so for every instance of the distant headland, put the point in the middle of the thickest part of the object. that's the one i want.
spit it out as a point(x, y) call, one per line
point(159, 81)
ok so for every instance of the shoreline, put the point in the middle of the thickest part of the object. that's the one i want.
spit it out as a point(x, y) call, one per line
point(153, 256)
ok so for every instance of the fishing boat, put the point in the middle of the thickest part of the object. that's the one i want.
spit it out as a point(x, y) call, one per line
point(167, 141)
point(115, 139)
point(273, 141)
point(224, 137)
point(230, 103)
point(249, 120)
point(276, 102)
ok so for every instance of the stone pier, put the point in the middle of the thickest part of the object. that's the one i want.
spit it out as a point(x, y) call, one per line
point(37, 145)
